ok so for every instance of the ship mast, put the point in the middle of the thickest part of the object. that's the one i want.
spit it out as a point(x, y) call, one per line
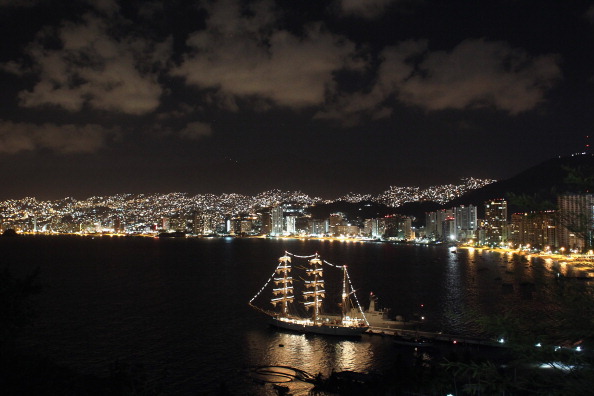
point(284, 285)
point(316, 283)
point(345, 294)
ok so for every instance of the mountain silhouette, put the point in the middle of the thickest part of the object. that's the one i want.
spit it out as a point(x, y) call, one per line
point(536, 188)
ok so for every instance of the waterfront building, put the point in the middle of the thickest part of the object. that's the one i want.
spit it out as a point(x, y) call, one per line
point(243, 224)
point(466, 222)
point(316, 227)
point(434, 224)
point(448, 227)
point(246, 226)
point(431, 225)
point(495, 223)
point(266, 221)
point(347, 230)
point(535, 229)
point(221, 228)
point(367, 227)
point(205, 222)
point(397, 227)
point(378, 228)
point(576, 221)
point(178, 224)
point(407, 229)
point(290, 222)
point(277, 220)
point(302, 225)
point(198, 223)
point(118, 227)
point(335, 220)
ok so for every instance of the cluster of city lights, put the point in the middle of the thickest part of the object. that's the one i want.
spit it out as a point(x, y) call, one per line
point(145, 212)
point(396, 196)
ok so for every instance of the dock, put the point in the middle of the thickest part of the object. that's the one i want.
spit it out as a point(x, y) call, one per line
point(417, 337)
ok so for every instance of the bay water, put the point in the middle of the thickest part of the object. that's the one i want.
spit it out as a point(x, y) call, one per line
point(178, 306)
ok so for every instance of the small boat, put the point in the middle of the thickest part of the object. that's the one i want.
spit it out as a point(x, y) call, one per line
point(290, 314)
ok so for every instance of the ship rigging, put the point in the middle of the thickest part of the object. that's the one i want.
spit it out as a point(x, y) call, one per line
point(285, 313)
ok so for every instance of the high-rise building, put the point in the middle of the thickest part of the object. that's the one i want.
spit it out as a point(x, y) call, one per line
point(177, 223)
point(266, 221)
point(448, 226)
point(302, 225)
point(198, 223)
point(246, 226)
point(291, 224)
point(406, 227)
point(466, 222)
point(277, 220)
point(397, 227)
point(378, 228)
point(367, 227)
point(335, 220)
point(576, 221)
point(496, 221)
point(434, 224)
point(537, 229)
point(316, 227)
point(347, 230)
point(431, 225)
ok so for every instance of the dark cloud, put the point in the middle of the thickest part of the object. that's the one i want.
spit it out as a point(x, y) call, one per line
point(95, 69)
point(246, 56)
point(380, 84)
point(15, 68)
point(17, 137)
point(477, 73)
point(196, 130)
point(368, 9)
point(474, 74)
point(106, 7)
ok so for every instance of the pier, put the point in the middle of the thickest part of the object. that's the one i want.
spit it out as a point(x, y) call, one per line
point(417, 337)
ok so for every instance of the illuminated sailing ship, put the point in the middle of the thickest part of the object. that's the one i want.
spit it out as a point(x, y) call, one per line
point(351, 322)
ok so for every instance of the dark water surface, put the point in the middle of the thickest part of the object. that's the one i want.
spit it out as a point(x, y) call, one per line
point(179, 306)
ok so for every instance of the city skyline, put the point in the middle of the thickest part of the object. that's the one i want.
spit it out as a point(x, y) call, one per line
point(104, 97)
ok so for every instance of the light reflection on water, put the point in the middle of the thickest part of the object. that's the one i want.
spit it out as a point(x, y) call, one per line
point(312, 353)
point(317, 354)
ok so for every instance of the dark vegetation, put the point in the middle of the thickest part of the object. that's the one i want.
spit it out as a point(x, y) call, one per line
point(549, 351)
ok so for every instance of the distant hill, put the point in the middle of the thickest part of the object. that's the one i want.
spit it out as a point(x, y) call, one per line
point(533, 189)
point(352, 210)
point(536, 188)
point(417, 210)
point(355, 211)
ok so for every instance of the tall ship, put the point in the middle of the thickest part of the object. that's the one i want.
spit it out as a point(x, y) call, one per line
point(305, 313)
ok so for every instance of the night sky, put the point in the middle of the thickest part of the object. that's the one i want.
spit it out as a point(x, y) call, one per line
point(100, 97)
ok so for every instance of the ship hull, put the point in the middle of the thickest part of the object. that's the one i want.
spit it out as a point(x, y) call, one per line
point(334, 330)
